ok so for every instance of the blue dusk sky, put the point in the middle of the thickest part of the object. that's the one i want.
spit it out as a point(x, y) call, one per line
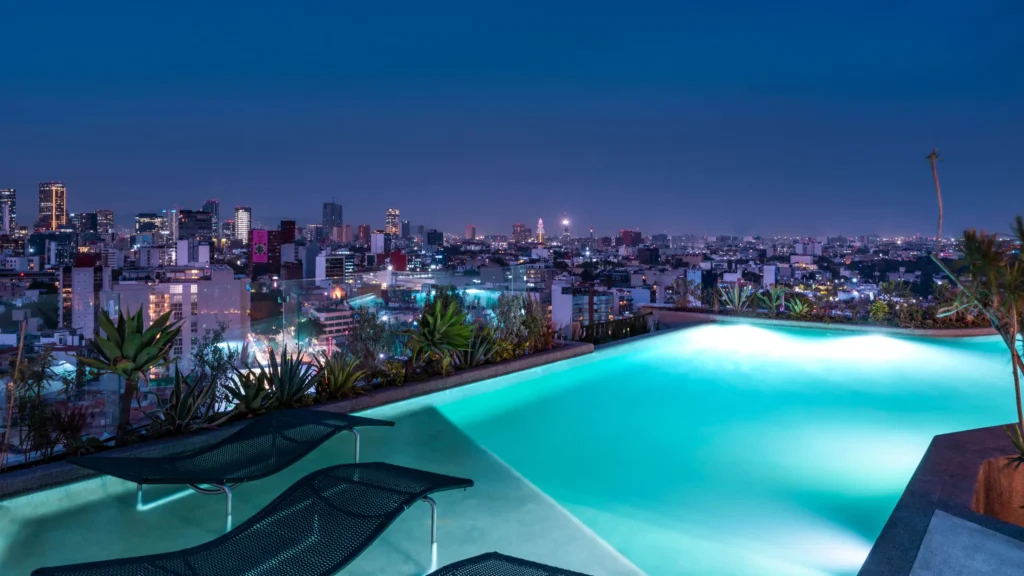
point(796, 117)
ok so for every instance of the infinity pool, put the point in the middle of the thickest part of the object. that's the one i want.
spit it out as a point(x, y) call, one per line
point(723, 449)
point(733, 449)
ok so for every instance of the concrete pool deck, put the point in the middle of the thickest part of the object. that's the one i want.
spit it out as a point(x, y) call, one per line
point(96, 519)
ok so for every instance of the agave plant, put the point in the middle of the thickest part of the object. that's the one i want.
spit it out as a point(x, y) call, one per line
point(289, 380)
point(190, 406)
point(736, 297)
point(798, 307)
point(338, 376)
point(774, 299)
point(482, 347)
point(442, 332)
point(130, 351)
point(250, 392)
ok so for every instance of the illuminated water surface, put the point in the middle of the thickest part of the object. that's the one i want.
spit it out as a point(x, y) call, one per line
point(733, 449)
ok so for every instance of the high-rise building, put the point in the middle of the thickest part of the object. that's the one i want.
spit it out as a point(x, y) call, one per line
point(435, 238)
point(566, 234)
point(405, 229)
point(419, 231)
point(345, 236)
point(227, 229)
point(105, 221)
point(243, 221)
point(287, 229)
point(363, 234)
point(193, 224)
point(519, 233)
point(471, 232)
point(391, 222)
point(9, 205)
point(380, 242)
point(53, 211)
point(213, 207)
point(540, 230)
point(84, 223)
point(170, 225)
point(315, 233)
point(630, 238)
point(332, 215)
point(148, 223)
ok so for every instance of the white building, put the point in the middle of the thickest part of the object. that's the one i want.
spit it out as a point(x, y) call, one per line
point(572, 304)
point(337, 320)
point(768, 276)
point(199, 298)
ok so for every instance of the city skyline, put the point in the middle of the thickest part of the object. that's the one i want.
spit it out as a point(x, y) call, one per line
point(782, 120)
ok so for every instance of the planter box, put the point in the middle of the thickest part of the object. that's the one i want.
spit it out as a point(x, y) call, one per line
point(951, 473)
point(46, 476)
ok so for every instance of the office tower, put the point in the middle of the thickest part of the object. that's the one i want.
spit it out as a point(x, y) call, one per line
point(170, 225)
point(435, 238)
point(540, 230)
point(565, 229)
point(195, 225)
point(316, 233)
point(227, 229)
point(363, 234)
point(53, 211)
point(391, 222)
point(332, 215)
point(213, 207)
point(84, 223)
point(380, 242)
point(243, 220)
point(287, 229)
point(471, 232)
point(630, 238)
point(405, 228)
point(8, 206)
point(148, 223)
point(419, 231)
point(345, 235)
point(105, 222)
point(519, 233)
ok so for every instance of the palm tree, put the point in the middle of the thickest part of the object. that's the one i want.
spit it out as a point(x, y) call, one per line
point(995, 288)
point(441, 333)
point(129, 351)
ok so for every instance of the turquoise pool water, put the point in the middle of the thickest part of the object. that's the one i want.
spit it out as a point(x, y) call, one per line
point(734, 449)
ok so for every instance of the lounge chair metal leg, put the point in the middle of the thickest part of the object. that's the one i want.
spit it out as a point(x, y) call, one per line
point(433, 531)
point(227, 493)
point(138, 498)
point(355, 434)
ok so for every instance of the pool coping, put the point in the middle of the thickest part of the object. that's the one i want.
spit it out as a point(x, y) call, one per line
point(690, 318)
point(46, 476)
point(944, 480)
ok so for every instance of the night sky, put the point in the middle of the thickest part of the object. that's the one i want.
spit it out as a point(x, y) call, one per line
point(797, 117)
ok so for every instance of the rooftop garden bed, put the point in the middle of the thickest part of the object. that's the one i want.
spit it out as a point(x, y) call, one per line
point(231, 384)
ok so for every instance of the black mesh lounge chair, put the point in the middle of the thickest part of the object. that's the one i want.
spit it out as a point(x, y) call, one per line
point(316, 527)
point(259, 449)
point(495, 564)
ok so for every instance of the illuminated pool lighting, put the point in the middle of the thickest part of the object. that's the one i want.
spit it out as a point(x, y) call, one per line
point(737, 449)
